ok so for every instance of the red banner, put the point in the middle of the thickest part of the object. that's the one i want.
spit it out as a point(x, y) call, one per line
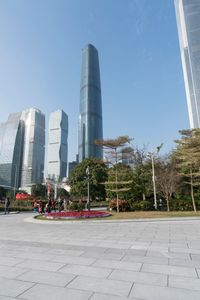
point(23, 197)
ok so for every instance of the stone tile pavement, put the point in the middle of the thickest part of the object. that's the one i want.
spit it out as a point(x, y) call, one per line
point(139, 260)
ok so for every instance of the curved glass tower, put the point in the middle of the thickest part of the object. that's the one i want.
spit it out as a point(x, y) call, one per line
point(90, 117)
point(188, 21)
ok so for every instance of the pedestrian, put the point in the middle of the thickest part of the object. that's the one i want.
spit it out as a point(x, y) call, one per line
point(35, 205)
point(49, 205)
point(160, 204)
point(41, 208)
point(7, 204)
point(65, 204)
point(60, 204)
point(53, 204)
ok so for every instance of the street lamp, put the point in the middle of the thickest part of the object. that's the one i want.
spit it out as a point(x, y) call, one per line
point(151, 155)
point(88, 187)
point(15, 180)
point(153, 178)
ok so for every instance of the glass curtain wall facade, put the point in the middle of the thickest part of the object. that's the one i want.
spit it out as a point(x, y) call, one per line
point(90, 116)
point(188, 22)
point(11, 151)
point(57, 145)
point(33, 147)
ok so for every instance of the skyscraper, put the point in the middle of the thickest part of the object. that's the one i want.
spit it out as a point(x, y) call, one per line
point(57, 145)
point(90, 116)
point(11, 151)
point(188, 22)
point(33, 147)
point(22, 140)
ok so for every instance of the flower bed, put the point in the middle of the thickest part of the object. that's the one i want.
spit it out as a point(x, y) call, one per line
point(84, 214)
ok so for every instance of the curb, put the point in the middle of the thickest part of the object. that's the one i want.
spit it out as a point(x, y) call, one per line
point(149, 220)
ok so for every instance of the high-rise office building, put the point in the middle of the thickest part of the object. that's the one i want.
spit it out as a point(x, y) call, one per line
point(72, 165)
point(11, 151)
point(57, 145)
point(188, 21)
point(34, 147)
point(22, 141)
point(90, 116)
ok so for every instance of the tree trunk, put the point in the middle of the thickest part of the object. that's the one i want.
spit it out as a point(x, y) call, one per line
point(116, 179)
point(143, 196)
point(167, 199)
point(192, 193)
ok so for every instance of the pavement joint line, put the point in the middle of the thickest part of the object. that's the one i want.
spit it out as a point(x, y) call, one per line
point(26, 289)
point(65, 265)
point(108, 277)
point(75, 276)
point(140, 270)
point(149, 272)
point(167, 280)
point(17, 277)
point(131, 289)
point(91, 296)
point(197, 273)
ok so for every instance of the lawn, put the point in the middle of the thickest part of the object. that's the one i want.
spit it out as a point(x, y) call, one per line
point(153, 214)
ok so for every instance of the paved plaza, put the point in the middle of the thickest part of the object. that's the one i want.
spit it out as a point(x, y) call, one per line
point(118, 260)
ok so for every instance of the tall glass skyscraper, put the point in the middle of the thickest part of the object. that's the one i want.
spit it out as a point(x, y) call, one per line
point(22, 141)
point(33, 148)
point(11, 151)
point(90, 116)
point(57, 145)
point(188, 21)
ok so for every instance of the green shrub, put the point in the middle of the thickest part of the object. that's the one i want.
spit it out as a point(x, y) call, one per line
point(142, 205)
point(181, 204)
point(76, 206)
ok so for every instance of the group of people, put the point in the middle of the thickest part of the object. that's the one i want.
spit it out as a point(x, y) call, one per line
point(51, 205)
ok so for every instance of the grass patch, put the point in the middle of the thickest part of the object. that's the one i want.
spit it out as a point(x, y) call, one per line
point(134, 215)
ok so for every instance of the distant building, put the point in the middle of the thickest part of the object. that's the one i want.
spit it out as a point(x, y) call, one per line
point(72, 165)
point(57, 145)
point(11, 151)
point(126, 158)
point(22, 141)
point(188, 21)
point(90, 116)
point(34, 147)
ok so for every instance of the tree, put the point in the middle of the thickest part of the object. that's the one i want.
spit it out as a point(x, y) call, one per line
point(188, 159)
point(140, 171)
point(39, 190)
point(166, 177)
point(125, 180)
point(113, 150)
point(62, 193)
point(78, 178)
point(2, 192)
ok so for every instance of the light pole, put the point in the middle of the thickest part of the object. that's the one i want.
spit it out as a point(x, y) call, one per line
point(55, 187)
point(15, 180)
point(153, 179)
point(88, 187)
point(151, 154)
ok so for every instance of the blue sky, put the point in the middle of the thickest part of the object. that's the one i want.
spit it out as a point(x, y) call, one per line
point(143, 92)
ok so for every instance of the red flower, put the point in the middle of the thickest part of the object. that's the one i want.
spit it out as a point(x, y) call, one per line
point(76, 214)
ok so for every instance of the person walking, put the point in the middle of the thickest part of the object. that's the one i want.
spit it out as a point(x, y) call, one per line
point(60, 204)
point(7, 204)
